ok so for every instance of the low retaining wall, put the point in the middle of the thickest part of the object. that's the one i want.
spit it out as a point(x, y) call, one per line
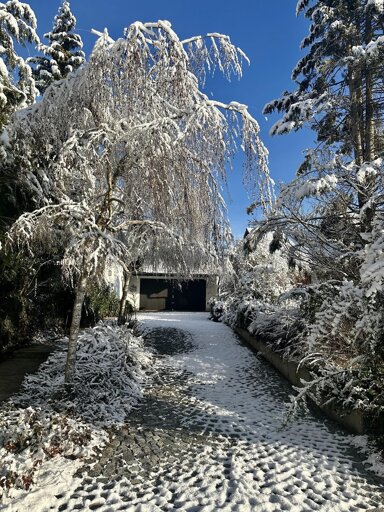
point(355, 421)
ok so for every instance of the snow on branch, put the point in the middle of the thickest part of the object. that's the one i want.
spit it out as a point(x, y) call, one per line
point(127, 156)
point(303, 189)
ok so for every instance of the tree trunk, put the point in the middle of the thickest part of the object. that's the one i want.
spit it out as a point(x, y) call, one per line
point(355, 98)
point(369, 131)
point(74, 330)
point(369, 103)
point(123, 301)
point(369, 153)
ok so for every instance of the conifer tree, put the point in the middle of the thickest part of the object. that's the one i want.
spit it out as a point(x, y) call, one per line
point(340, 97)
point(64, 52)
point(17, 24)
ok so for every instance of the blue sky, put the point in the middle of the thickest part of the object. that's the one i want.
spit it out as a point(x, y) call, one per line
point(267, 30)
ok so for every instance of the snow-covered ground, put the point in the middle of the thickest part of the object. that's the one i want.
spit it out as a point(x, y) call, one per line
point(234, 454)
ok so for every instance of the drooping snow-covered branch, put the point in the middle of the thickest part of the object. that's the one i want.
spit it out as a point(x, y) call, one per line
point(126, 158)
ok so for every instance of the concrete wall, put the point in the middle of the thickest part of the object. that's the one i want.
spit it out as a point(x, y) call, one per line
point(356, 421)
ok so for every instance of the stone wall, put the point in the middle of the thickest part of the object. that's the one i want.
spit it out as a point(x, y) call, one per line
point(355, 421)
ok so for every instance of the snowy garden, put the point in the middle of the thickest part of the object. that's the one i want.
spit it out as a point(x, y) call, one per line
point(118, 160)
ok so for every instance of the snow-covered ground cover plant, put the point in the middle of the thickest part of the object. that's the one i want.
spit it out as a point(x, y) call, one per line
point(44, 426)
point(32, 439)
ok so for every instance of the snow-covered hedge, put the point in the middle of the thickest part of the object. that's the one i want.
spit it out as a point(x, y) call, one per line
point(332, 328)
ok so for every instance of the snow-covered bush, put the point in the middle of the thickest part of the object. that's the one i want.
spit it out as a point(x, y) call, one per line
point(257, 272)
point(112, 369)
point(251, 291)
point(335, 327)
point(31, 436)
point(340, 342)
point(217, 308)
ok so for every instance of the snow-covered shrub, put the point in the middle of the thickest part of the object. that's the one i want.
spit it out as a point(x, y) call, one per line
point(101, 302)
point(112, 368)
point(257, 272)
point(277, 325)
point(31, 436)
point(342, 321)
point(253, 288)
point(217, 308)
point(341, 342)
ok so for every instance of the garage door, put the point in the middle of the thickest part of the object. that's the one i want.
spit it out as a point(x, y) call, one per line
point(161, 294)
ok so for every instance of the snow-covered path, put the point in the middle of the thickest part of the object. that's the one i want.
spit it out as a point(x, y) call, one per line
point(209, 437)
point(249, 462)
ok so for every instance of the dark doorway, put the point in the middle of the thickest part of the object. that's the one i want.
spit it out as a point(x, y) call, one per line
point(161, 294)
point(155, 294)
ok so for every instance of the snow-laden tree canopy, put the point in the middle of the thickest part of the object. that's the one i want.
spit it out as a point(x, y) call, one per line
point(64, 52)
point(17, 87)
point(126, 158)
point(329, 209)
point(131, 144)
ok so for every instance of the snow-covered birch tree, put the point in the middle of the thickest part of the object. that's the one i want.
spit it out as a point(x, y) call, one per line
point(127, 157)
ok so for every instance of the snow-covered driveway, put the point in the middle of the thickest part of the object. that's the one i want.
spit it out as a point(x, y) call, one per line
point(209, 437)
point(234, 398)
point(216, 423)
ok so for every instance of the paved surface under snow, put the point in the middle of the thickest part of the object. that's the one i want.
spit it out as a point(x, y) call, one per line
point(209, 437)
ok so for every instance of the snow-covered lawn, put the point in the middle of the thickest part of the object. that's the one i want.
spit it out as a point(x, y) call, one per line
point(234, 454)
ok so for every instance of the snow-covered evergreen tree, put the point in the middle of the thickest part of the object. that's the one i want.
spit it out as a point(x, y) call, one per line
point(340, 96)
point(64, 52)
point(331, 214)
point(17, 87)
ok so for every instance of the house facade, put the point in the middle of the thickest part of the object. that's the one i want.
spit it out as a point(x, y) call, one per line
point(151, 290)
point(162, 292)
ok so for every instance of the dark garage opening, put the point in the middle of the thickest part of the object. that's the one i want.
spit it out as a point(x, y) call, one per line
point(172, 295)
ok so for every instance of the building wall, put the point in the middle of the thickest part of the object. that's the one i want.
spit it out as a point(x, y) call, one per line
point(134, 289)
point(114, 276)
point(134, 292)
point(212, 289)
